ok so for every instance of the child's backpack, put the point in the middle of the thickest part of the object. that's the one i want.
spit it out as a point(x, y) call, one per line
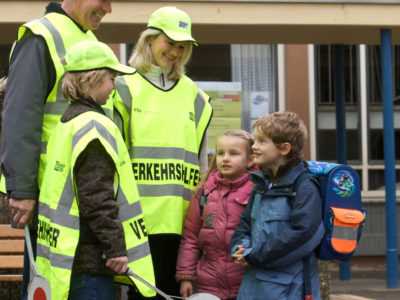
point(342, 215)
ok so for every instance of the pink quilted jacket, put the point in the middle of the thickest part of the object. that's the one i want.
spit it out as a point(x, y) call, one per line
point(204, 249)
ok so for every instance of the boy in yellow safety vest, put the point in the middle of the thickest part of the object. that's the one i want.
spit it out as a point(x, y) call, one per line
point(89, 201)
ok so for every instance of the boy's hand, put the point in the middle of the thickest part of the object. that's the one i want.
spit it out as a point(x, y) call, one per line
point(118, 264)
point(186, 288)
point(238, 256)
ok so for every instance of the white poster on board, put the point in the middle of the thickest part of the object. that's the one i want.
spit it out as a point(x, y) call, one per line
point(259, 104)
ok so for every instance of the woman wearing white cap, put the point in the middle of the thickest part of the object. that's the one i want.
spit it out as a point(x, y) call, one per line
point(165, 117)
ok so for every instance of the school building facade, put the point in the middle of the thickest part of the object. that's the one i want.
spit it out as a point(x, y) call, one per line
point(282, 53)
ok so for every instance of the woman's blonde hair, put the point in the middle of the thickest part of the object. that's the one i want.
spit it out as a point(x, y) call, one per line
point(239, 133)
point(77, 85)
point(142, 56)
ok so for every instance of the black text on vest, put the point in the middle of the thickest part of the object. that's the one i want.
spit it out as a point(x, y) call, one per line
point(166, 171)
point(48, 233)
point(139, 228)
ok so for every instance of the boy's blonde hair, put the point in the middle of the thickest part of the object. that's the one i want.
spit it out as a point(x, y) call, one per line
point(3, 81)
point(77, 85)
point(244, 135)
point(284, 127)
point(141, 57)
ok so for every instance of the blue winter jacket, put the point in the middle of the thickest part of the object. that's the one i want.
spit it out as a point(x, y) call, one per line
point(278, 228)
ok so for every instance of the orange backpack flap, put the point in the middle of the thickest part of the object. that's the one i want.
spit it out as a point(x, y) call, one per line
point(345, 228)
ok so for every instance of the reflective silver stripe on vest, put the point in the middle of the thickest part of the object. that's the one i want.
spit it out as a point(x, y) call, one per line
point(125, 94)
point(123, 91)
point(345, 233)
point(56, 108)
point(100, 129)
point(57, 260)
point(107, 112)
point(44, 148)
point(60, 105)
point(63, 207)
point(58, 41)
point(138, 252)
point(126, 209)
point(164, 153)
point(199, 104)
point(150, 190)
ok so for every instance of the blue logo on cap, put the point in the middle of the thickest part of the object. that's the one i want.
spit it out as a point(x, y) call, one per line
point(183, 24)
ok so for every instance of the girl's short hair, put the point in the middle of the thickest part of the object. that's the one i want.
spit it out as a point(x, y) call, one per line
point(77, 85)
point(141, 57)
point(284, 127)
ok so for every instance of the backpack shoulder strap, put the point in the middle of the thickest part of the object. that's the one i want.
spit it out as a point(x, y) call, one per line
point(306, 260)
point(299, 180)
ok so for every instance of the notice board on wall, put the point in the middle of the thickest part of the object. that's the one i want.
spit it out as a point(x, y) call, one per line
point(226, 101)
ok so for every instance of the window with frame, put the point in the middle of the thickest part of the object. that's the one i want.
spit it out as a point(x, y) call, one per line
point(372, 164)
point(325, 106)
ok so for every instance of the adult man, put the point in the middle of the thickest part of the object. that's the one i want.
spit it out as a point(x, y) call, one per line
point(34, 103)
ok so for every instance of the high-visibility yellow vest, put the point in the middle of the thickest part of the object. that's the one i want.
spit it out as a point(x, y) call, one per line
point(60, 33)
point(58, 228)
point(2, 184)
point(163, 132)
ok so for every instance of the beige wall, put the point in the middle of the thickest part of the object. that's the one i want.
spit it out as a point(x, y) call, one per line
point(239, 22)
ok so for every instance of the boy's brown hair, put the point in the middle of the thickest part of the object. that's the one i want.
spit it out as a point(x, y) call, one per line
point(284, 127)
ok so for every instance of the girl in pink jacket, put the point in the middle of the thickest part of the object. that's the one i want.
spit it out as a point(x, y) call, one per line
point(212, 217)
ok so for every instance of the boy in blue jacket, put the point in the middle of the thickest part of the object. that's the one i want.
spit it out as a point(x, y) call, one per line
point(281, 226)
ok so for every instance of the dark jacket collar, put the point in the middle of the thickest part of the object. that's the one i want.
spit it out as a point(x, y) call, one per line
point(263, 180)
point(80, 106)
point(55, 7)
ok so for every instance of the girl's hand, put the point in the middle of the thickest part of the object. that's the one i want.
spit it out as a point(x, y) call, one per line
point(118, 264)
point(186, 288)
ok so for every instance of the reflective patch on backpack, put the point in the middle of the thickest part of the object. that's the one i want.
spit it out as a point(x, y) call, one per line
point(345, 226)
